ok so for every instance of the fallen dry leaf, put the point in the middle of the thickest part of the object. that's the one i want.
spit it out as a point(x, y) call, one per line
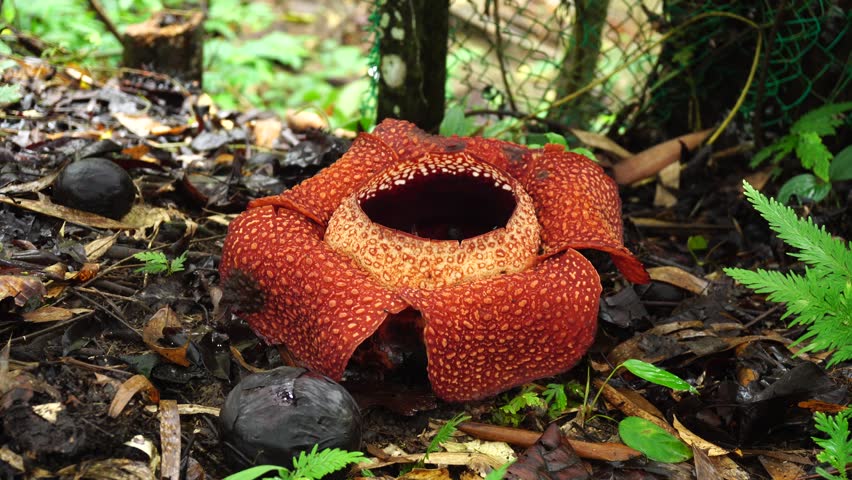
point(601, 142)
point(21, 288)
point(648, 162)
point(628, 406)
point(610, 452)
point(266, 132)
point(780, 469)
point(301, 120)
point(128, 389)
point(50, 313)
point(696, 442)
point(153, 333)
point(170, 440)
point(679, 278)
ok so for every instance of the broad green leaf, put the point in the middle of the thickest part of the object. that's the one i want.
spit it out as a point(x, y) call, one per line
point(650, 439)
point(696, 243)
point(657, 375)
point(804, 187)
point(777, 150)
point(9, 94)
point(455, 123)
point(821, 121)
point(584, 152)
point(814, 154)
point(255, 472)
point(841, 166)
point(556, 138)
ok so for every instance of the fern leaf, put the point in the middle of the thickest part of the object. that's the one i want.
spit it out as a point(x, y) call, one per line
point(825, 254)
point(777, 150)
point(316, 465)
point(813, 154)
point(821, 121)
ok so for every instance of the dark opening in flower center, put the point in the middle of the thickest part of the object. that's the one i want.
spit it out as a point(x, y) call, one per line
point(442, 206)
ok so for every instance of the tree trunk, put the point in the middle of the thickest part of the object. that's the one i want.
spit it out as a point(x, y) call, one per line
point(169, 42)
point(580, 64)
point(413, 52)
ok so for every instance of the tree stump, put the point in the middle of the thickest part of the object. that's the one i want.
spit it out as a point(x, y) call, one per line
point(413, 65)
point(170, 42)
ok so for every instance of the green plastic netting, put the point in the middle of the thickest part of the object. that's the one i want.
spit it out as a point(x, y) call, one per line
point(659, 66)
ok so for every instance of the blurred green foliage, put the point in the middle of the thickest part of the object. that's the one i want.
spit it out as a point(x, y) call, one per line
point(249, 61)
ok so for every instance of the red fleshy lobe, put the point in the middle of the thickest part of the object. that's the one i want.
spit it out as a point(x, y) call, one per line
point(482, 336)
point(317, 302)
point(487, 336)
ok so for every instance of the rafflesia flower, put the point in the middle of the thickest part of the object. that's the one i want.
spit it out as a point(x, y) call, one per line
point(473, 241)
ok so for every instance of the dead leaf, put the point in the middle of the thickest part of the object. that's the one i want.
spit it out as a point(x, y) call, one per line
point(128, 389)
point(648, 162)
point(109, 469)
point(11, 458)
point(50, 313)
point(668, 183)
point(30, 187)
point(697, 442)
point(679, 278)
point(780, 469)
point(139, 124)
point(99, 246)
point(551, 457)
point(601, 142)
point(609, 452)
point(267, 131)
point(427, 474)
point(139, 217)
point(301, 120)
point(626, 405)
point(153, 333)
point(170, 440)
point(22, 288)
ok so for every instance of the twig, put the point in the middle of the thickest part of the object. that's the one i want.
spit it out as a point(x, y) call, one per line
point(96, 6)
point(757, 121)
point(499, 45)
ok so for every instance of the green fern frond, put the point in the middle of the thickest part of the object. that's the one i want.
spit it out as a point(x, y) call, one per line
point(316, 465)
point(837, 448)
point(821, 298)
point(822, 121)
point(826, 255)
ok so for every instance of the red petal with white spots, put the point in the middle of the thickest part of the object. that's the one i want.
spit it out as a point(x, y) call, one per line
point(318, 196)
point(487, 336)
point(578, 206)
point(316, 302)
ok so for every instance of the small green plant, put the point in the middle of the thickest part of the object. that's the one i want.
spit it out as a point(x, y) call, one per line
point(456, 123)
point(821, 298)
point(499, 472)
point(552, 399)
point(156, 262)
point(311, 466)
point(837, 448)
point(444, 433)
point(805, 141)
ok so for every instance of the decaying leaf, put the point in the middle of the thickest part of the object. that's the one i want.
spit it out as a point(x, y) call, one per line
point(170, 440)
point(49, 313)
point(128, 389)
point(654, 159)
point(152, 334)
point(679, 278)
point(21, 288)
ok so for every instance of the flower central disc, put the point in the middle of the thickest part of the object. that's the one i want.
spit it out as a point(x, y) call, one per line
point(442, 206)
point(438, 221)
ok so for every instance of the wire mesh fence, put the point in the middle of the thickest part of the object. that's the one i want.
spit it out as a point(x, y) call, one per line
point(663, 66)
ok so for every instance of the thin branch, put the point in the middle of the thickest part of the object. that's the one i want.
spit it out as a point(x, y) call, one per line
point(96, 6)
point(500, 59)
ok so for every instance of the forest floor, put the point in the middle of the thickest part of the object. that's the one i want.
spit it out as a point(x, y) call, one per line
point(96, 345)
